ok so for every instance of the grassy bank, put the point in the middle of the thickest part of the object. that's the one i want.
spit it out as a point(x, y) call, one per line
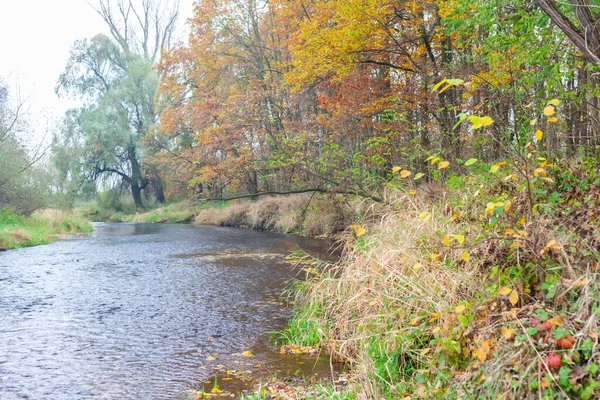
point(301, 214)
point(42, 228)
point(485, 286)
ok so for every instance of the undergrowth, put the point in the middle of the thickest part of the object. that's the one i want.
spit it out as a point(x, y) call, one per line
point(487, 290)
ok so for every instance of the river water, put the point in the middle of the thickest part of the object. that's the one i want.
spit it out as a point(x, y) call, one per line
point(141, 311)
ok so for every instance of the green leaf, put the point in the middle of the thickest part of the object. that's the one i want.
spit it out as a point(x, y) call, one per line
point(419, 176)
point(470, 161)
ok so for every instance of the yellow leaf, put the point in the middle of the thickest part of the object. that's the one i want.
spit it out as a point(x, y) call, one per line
point(372, 302)
point(465, 256)
point(436, 329)
point(460, 308)
point(556, 321)
point(247, 354)
point(554, 102)
point(507, 333)
point(459, 238)
point(404, 173)
point(435, 316)
point(425, 351)
point(215, 390)
point(396, 169)
point(581, 282)
point(553, 119)
point(548, 180)
point(539, 171)
point(211, 358)
point(549, 110)
point(443, 164)
point(476, 121)
point(480, 354)
point(514, 297)
point(539, 135)
point(504, 290)
point(446, 241)
point(359, 232)
point(412, 192)
point(486, 121)
point(533, 122)
point(414, 321)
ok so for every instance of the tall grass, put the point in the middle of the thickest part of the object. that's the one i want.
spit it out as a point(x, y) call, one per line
point(41, 228)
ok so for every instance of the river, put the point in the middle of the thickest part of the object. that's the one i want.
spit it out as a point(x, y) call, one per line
point(143, 311)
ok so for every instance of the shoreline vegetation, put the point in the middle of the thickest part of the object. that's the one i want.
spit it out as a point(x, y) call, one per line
point(42, 227)
point(302, 214)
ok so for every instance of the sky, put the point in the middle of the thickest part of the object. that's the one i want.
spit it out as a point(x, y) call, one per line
point(35, 38)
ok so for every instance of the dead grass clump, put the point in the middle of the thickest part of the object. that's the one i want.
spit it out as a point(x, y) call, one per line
point(232, 215)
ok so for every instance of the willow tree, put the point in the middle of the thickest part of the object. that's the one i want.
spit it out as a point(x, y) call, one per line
point(114, 76)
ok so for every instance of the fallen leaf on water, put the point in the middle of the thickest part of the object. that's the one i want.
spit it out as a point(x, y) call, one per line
point(211, 358)
point(247, 354)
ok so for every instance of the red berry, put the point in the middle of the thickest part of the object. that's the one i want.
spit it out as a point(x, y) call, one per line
point(553, 361)
point(545, 326)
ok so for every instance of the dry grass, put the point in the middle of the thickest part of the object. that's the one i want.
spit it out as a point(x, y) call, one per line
point(388, 277)
point(304, 214)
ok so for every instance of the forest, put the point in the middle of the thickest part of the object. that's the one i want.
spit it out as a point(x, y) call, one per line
point(452, 148)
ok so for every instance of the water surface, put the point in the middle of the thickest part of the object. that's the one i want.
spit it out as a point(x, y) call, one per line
point(139, 311)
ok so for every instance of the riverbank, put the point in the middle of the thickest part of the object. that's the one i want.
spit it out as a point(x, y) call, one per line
point(488, 289)
point(302, 214)
point(41, 228)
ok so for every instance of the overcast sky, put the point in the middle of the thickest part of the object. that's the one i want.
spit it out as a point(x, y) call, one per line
point(35, 38)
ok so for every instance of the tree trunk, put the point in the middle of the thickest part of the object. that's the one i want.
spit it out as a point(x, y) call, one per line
point(136, 178)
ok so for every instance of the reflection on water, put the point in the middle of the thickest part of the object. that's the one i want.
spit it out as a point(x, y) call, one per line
point(137, 310)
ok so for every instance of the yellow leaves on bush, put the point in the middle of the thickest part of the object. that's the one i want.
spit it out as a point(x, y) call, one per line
point(553, 119)
point(513, 295)
point(479, 122)
point(539, 135)
point(504, 290)
point(549, 110)
point(554, 102)
point(443, 164)
point(403, 172)
point(539, 171)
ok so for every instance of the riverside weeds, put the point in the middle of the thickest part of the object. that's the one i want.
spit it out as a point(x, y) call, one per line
point(490, 289)
point(42, 228)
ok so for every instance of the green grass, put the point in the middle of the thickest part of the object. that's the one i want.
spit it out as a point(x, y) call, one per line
point(18, 231)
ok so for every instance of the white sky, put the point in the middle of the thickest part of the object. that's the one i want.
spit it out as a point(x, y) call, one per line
point(35, 38)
